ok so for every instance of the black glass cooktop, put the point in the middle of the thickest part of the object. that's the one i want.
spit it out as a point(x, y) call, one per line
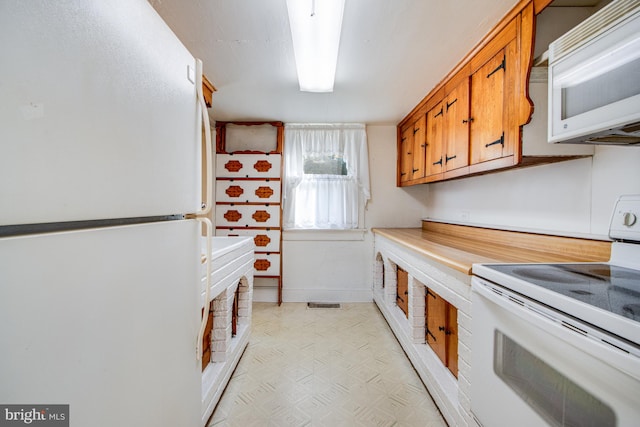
point(612, 288)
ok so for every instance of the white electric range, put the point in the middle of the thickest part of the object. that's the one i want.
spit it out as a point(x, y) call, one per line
point(559, 344)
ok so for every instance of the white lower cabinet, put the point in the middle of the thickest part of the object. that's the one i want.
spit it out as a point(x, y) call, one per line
point(411, 320)
point(228, 312)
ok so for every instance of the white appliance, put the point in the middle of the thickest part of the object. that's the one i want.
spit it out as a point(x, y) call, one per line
point(100, 154)
point(559, 344)
point(594, 79)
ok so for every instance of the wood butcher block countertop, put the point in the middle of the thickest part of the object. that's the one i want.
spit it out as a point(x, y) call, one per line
point(460, 246)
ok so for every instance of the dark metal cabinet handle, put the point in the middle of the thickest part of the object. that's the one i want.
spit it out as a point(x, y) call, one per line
point(496, 142)
point(416, 130)
point(502, 66)
point(450, 104)
point(441, 328)
point(439, 162)
point(415, 170)
point(469, 120)
point(403, 173)
point(447, 158)
point(441, 112)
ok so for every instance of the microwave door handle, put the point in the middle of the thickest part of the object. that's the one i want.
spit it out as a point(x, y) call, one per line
point(616, 358)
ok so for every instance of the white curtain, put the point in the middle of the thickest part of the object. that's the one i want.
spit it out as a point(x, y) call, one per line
point(325, 200)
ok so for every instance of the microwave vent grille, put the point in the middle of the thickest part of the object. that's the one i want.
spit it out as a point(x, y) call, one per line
point(598, 23)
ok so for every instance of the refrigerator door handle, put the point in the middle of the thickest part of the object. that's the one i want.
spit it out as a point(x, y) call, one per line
point(204, 210)
point(205, 308)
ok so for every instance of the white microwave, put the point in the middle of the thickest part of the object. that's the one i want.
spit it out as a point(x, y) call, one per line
point(594, 79)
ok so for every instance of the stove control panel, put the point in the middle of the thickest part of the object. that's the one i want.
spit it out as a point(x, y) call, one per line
point(625, 221)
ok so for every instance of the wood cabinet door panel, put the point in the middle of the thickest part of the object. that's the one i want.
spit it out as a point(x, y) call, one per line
point(456, 128)
point(406, 145)
point(487, 110)
point(435, 125)
point(436, 324)
point(452, 339)
point(419, 148)
point(402, 294)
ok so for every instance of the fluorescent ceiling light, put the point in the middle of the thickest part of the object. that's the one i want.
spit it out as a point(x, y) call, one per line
point(315, 30)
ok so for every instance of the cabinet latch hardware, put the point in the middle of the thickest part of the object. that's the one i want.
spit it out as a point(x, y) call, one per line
point(496, 142)
point(503, 66)
point(447, 158)
point(441, 112)
point(450, 104)
point(415, 170)
point(469, 120)
point(416, 130)
point(439, 162)
point(441, 328)
point(403, 173)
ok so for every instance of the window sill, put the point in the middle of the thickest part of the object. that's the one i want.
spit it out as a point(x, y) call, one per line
point(356, 234)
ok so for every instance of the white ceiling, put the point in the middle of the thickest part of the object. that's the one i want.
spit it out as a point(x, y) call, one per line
point(392, 53)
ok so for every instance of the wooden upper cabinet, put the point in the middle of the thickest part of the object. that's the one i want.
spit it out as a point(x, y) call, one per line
point(405, 160)
point(419, 148)
point(456, 126)
point(207, 89)
point(435, 124)
point(475, 115)
point(494, 130)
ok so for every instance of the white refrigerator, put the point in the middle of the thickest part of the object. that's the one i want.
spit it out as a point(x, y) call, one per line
point(100, 163)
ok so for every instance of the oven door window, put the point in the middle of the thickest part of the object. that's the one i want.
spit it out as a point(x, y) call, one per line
point(560, 401)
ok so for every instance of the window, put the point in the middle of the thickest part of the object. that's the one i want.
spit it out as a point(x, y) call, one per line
point(326, 179)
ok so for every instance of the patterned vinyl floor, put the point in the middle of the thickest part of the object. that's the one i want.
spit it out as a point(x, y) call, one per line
point(324, 367)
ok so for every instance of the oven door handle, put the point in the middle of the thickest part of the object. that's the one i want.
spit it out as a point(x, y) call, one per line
point(560, 328)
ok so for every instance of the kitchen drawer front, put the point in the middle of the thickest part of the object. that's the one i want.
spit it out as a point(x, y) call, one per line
point(266, 264)
point(265, 240)
point(248, 216)
point(248, 165)
point(248, 191)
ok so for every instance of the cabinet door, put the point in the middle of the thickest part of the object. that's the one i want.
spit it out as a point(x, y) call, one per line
point(404, 154)
point(419, 147)
point(435, 124)
point(492, 102)
point(452, 339)
point(456, 127)
point(402, 296)
point(436, 324)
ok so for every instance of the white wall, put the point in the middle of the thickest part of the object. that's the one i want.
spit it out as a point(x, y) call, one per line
point(341, 271)
point(574, 197)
